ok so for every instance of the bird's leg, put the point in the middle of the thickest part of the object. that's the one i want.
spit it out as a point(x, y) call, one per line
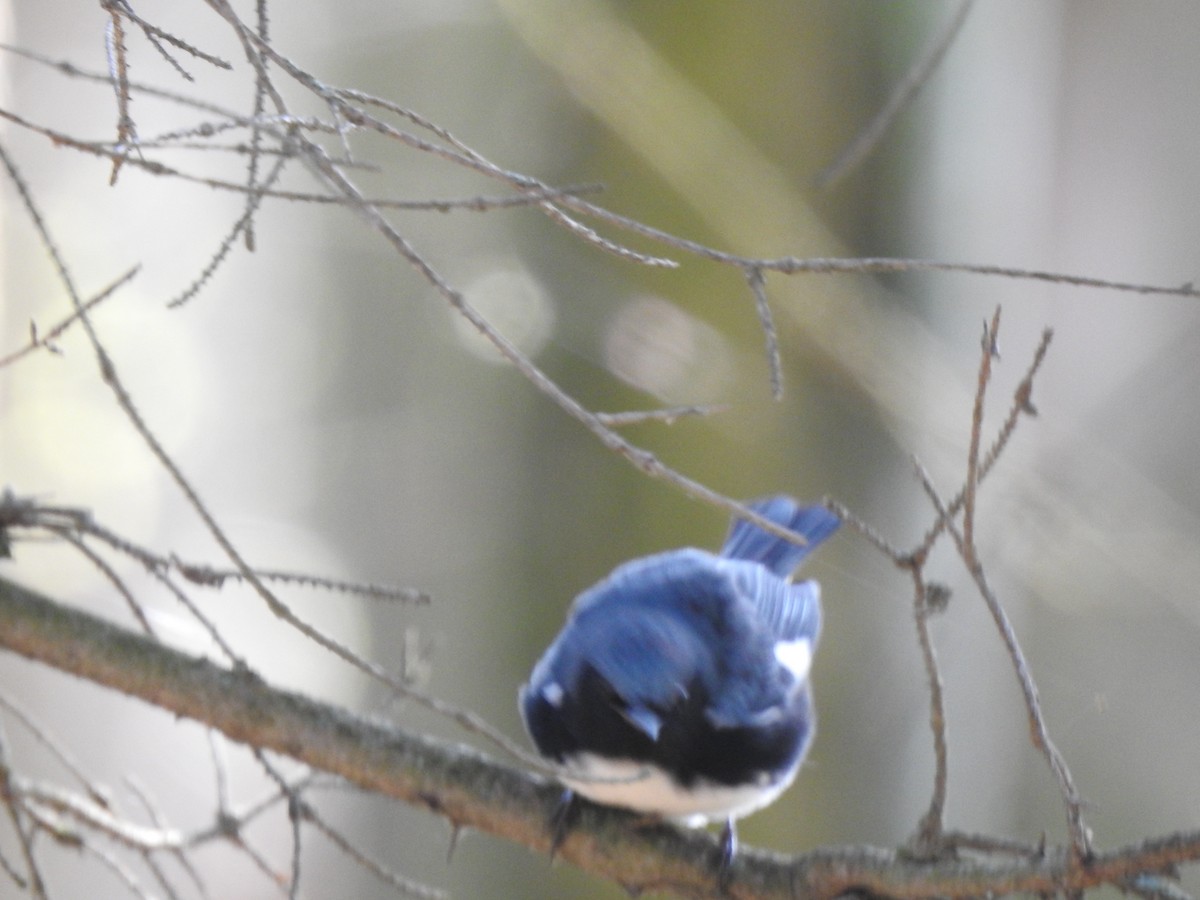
point(561, 820)
point(729, 847)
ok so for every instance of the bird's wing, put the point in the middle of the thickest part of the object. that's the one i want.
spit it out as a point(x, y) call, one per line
point(781, 624)
point(648, 664)
point(651, 630)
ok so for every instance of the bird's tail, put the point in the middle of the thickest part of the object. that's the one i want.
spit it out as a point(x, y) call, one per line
point(749, 542)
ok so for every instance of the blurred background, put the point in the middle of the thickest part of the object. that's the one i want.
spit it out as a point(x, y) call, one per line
point(338, 418)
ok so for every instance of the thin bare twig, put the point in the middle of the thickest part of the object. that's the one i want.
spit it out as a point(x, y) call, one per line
point(1022, 403)
point(384, 874)
point(794, 265)
point(850, 519)
point(1080, 837)
point(906, 89)
point(758, 289)
point(110, 575)
point(54, 748)
point(228, 825)
point(67, 522)
point(212, 577)
point(1081, 847)
point(243, 225)
point(32, 880)
point(666, 416)
point(256, 133)
point(158, 36)
point(471, 159)
point(109, 375)
point(142, 795)
point(118, 69)
point(294, 805)
point(929, 839)
point(37, 340)
point(641, 459)
point(991, 334)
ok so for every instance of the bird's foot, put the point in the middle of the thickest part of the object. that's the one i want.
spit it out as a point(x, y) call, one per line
point(729, 848)
point(561, 820)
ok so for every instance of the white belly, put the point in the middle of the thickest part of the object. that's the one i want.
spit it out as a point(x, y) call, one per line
point(644, 788)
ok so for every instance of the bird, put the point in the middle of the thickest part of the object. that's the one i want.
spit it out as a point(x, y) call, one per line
point(679, 685)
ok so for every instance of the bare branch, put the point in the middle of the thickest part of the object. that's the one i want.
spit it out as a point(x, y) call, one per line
point(1081, 842)
point(1022, 404)
point(666, 416)
point(754, 278)
point(384, 874)
point(929, 840)
point(989, 352)
point(902, 95)
point(157, 36)
point(470, 790)
point(9, 795)
point(54, 747)
point(256, 133)
point(118, 70)
point(39, 340)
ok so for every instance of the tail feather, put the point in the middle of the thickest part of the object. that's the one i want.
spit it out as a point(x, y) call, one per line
point(749, 542)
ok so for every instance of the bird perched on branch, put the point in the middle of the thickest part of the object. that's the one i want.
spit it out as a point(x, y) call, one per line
point(679, 685)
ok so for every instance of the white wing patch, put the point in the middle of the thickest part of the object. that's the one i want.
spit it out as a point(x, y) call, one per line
point(795, 656)
point(553, 694)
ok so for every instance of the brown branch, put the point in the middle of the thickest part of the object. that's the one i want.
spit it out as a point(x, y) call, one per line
point(118, 68)
point(471, 790)
point(965, 542)
point(1081, 841)
point(929, 836)
point(989, 352)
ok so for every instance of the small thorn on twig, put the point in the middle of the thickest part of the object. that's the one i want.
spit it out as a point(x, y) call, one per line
point(1023, 398)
